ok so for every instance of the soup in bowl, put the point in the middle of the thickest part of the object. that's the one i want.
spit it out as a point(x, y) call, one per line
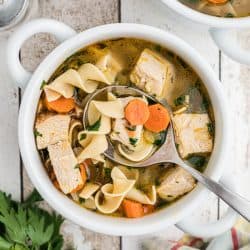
point(65, 160)
point(73, 155)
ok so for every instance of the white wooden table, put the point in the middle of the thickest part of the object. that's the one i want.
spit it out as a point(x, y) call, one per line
point(82, 14)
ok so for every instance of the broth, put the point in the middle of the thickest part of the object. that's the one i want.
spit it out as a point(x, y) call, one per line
point(72, 155)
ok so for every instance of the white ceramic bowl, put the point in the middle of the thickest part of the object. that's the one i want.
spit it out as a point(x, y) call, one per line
point(220, 30)
point(97, 222)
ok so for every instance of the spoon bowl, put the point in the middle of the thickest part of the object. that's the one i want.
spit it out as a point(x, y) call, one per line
point(167, 152)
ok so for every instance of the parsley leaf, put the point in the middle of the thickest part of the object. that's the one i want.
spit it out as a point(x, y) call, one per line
point(133, 141)
point(179, 100)
point(198, 161)
point(82, 137)
point(95, 126)
point(25, 226)
point(37, 133)
point(43, 84)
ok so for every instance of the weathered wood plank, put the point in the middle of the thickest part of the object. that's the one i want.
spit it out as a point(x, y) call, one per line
point(80, 15)
point(236, 80)
point(10, 181)
point(157, 14)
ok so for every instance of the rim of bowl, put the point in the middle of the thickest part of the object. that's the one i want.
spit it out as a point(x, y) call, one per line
point(218, 22)
point(35, 169)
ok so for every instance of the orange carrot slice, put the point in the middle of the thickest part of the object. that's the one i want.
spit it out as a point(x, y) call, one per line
point(158, 118)
point(217, 1)
point(136, 112)
point(61, 105)
point(132, 209)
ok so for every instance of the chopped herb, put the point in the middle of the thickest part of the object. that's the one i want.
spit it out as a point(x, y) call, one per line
point(177, 146)
point(95, 126)
point(229, 15)
point(81, 200)
point(77, 166)
point(210, 127)
point(205, 104)
point(107, 172)
point(179, 100)
point(161, 138)
point(198, 161)
point(37, 133)
point(43, 84)
point(82, 137)
point(131, 128)
point(133, 141)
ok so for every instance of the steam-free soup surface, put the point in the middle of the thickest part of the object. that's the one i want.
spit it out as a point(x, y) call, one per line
point(221, 8)
point(73, 154)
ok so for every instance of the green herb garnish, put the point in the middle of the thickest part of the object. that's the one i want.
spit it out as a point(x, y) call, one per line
point(82, 137)
point(25, 226)
point(81, 200)
point(179, 100)
point(133, 141)
point(43, 84)
point(159, 141)
point(198, 161)
point(210, 127)
point(229, 15)
point(37, 133)
point(77, 166)
point(107, 172)
point(95, 126)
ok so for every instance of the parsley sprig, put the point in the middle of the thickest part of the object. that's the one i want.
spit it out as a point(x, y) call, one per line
point(25, 226)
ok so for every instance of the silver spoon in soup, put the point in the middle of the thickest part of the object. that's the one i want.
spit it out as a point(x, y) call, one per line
point(166, 152)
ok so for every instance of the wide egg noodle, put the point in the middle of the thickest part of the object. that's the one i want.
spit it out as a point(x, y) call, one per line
point(139, 196)
point(96, 147)
point(88, 190)
point(136, 194)
point(142, 151)
point(87, 78)
point(113, 193)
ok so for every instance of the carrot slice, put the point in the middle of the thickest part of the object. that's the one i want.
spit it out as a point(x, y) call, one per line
point(61, 105)
point(158, 119)
point(217, 1)
point(148, 209)
point(84, 179)
point(132, 209)
point(136, 112)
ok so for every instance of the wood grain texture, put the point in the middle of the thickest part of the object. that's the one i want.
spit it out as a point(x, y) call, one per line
point(80, 15)
point(9, 153)
point(236, 81)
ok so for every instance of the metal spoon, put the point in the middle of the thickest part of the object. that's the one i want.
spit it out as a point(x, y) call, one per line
point(167, 153)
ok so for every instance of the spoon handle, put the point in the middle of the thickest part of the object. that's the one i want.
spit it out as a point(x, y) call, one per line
point(237, 202)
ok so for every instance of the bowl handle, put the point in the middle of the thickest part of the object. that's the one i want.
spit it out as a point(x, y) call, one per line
point(212, 229)
point(60, 30)
point(230, 46)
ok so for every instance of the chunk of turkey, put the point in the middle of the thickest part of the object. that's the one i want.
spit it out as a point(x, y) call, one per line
point(50, 129)
point(64, 164)
point(192, 133)
point(150, 72)
point(175, 183)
